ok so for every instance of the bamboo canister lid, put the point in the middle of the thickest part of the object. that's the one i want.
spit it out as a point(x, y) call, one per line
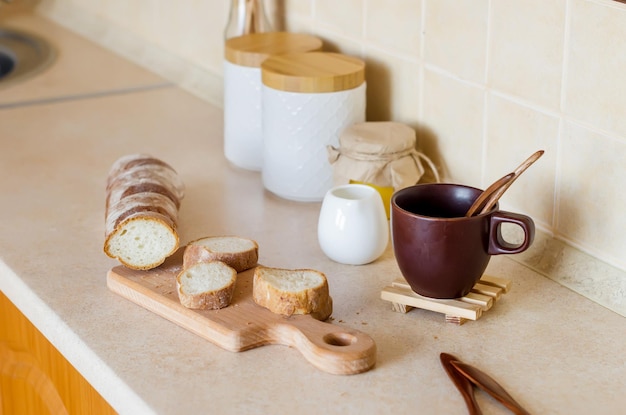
point(251, 50)
point(313, 72)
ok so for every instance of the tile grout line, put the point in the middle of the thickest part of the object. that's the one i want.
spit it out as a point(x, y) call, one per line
point(486, 97)
point(556, 206)
point(421, 104)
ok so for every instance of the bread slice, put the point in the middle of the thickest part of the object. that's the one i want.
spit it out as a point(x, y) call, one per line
point(292, 291)
point(239, 253)
point(142, 242)
point(206, 286)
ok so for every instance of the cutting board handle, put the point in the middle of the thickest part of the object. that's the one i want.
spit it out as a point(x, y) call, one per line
point(333, 349)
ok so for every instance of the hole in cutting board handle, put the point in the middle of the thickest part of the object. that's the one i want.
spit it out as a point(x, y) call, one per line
point(339, 339)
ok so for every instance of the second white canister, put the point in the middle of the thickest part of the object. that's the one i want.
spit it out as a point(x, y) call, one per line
point(243, 55)
point(308, 100)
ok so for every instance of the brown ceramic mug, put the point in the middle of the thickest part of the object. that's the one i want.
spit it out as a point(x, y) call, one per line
point(440, 252)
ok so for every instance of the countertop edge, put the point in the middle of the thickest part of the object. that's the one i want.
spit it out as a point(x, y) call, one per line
point(112, 388)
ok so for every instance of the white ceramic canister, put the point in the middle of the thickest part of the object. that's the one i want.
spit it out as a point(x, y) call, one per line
point(243, 55)
point(308, 100)
point(352, 227)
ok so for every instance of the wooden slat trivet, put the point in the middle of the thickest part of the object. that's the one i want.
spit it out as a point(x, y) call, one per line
point(471, 307)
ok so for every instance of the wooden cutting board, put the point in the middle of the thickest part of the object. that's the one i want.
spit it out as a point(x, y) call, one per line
point(244, 325)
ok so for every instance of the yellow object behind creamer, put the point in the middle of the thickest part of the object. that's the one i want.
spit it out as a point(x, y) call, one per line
point(385, 192)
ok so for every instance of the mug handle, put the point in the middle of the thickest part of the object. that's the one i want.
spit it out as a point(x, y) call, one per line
point(497, 244)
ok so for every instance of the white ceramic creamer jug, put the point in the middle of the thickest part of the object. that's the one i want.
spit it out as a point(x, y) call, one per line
point(353, 227)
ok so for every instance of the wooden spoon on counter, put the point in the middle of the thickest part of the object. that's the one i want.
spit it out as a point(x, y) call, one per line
point(489, 385)
point(488, 199)
point(462, 384)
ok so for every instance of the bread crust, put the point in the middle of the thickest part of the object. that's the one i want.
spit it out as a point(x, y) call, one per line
point(241, 260)
point(208, 300)
point(315, 301)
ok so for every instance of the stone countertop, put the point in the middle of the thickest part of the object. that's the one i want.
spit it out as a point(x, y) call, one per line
point(554, 350)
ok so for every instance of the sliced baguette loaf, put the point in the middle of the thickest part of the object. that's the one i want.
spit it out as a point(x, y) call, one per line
point(143, 195)
point(292, 291)
point(206, 286)
point(239, 253)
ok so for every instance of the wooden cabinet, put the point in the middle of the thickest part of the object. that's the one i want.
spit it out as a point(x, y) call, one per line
point(34, 377)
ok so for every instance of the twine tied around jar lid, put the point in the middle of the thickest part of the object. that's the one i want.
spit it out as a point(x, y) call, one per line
point(379, 153)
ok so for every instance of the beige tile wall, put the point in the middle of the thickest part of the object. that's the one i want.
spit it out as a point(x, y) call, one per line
point(485, 82)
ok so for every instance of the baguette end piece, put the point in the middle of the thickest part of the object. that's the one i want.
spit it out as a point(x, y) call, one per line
point(143, 195)
point(292, 291)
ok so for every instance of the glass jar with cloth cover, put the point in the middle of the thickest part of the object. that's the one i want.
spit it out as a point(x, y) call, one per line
point(381, 154)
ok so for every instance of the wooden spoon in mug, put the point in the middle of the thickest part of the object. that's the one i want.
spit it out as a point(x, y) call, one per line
point(488, 193)
point(493, 193)
point(520, 169)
